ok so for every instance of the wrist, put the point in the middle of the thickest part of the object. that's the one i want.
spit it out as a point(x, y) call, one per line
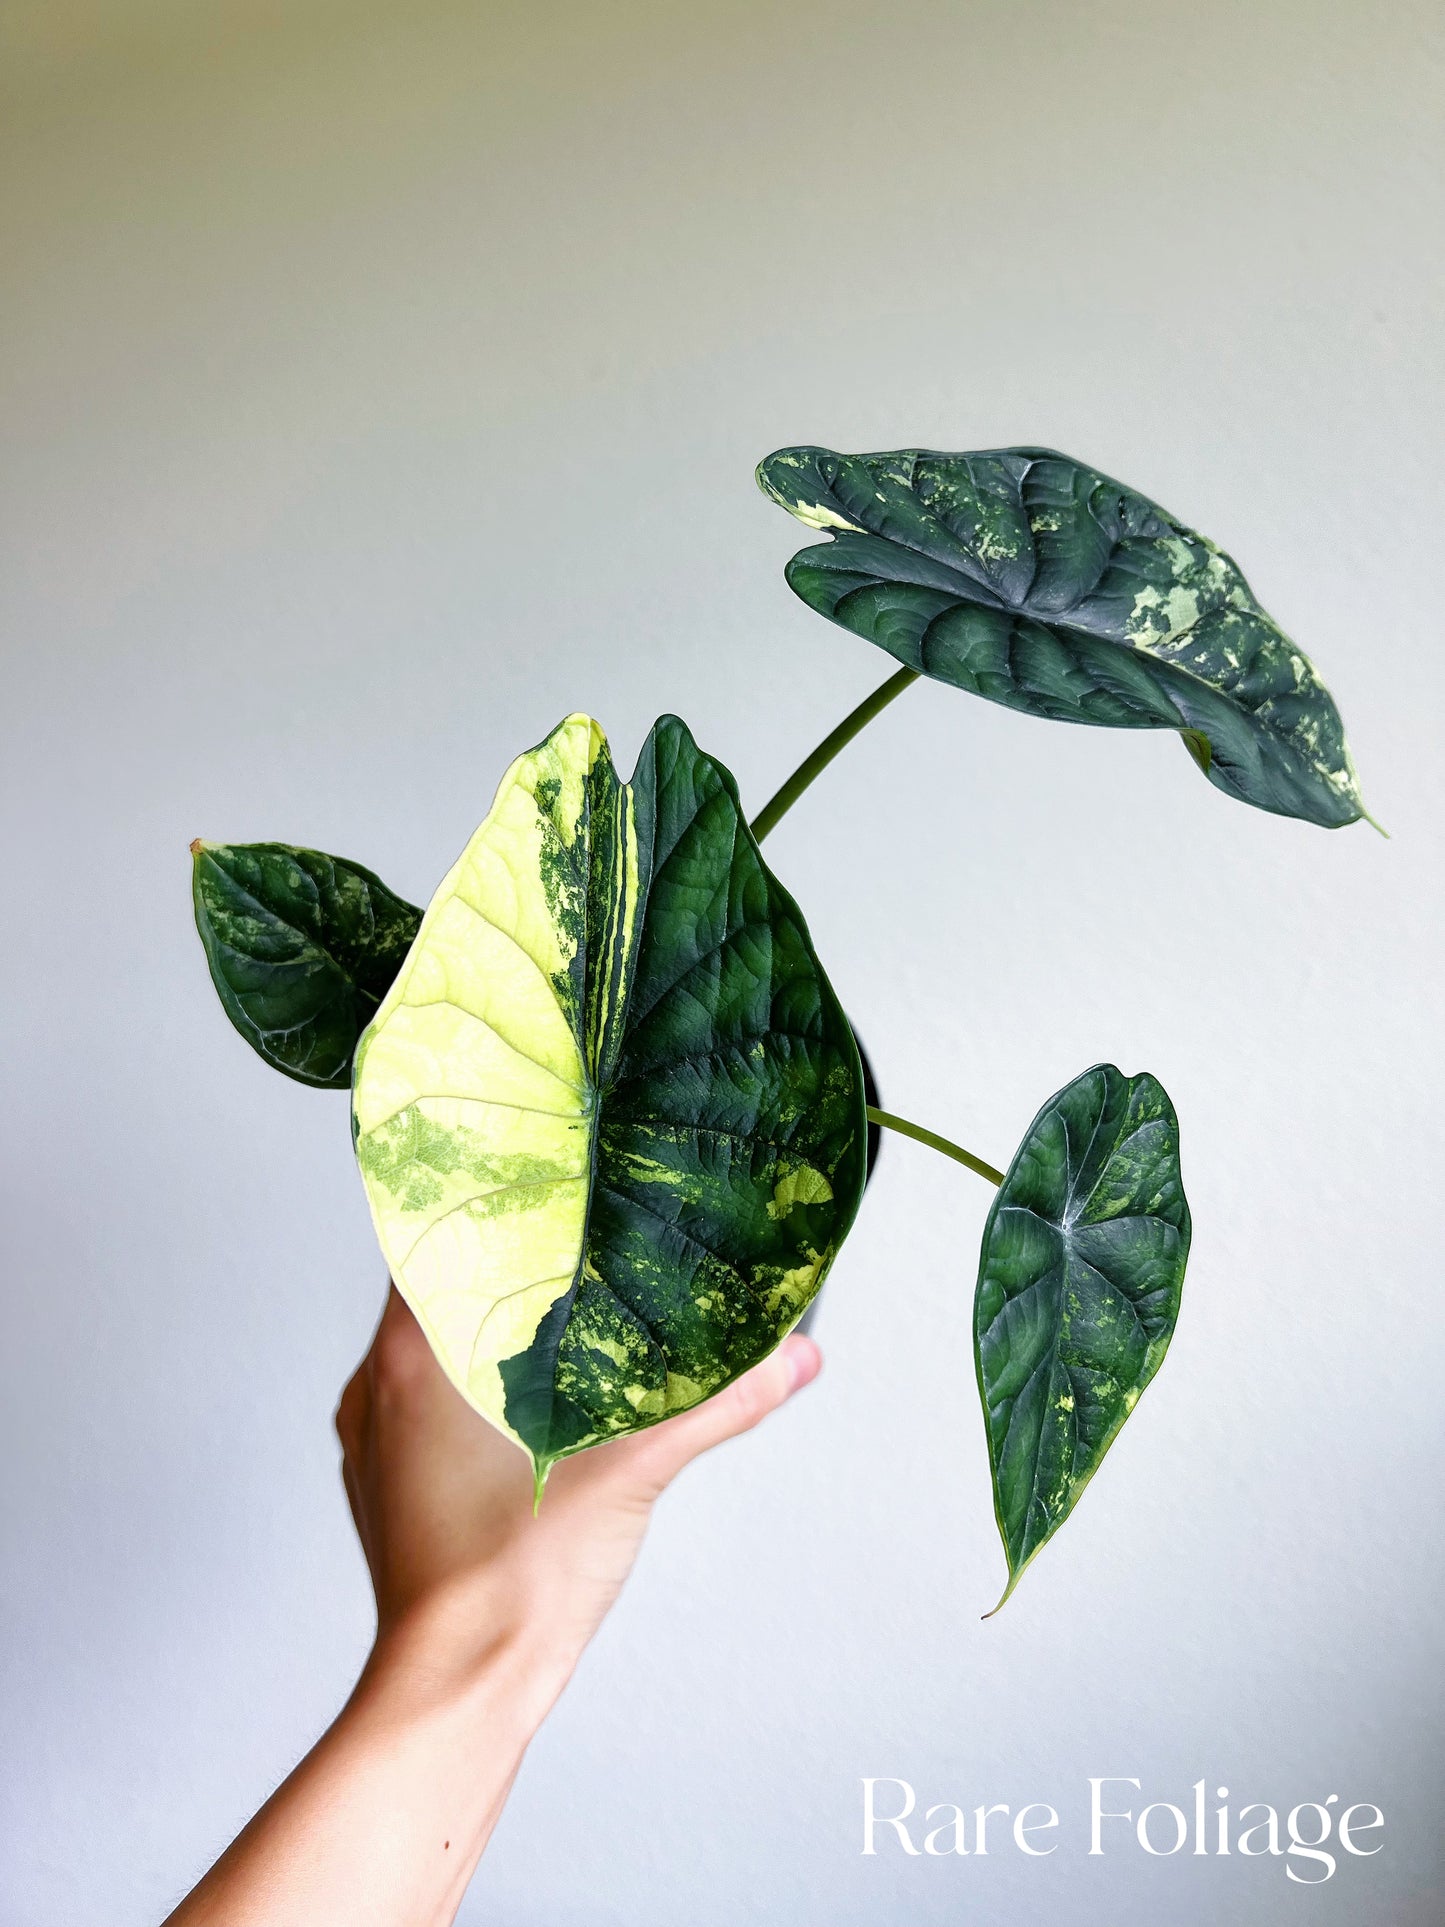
point(463, 1648)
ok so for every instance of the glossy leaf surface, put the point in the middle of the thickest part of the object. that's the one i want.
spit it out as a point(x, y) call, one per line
point(1027, 577)
point(610, 1116)
point(302, 949)
point(1078, 1292)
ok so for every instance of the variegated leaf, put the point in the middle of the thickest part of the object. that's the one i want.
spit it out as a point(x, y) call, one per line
point(302, 948)
point(1027, 577)
point(610, 1116)
point(1078, 1292)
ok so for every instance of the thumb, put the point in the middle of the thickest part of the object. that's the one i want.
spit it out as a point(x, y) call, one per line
point(664, 1451)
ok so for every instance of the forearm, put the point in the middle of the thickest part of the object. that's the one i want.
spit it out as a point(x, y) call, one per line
point(384, 1821)
point(486, 1609)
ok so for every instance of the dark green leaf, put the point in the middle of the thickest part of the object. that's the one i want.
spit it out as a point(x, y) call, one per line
point(302, 949)
point(610, 1116)
point(1027, 577)
point(1078, 1292)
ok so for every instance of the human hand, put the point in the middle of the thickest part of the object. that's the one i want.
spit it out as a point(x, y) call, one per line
point(462, 1571)
point(482, 1611)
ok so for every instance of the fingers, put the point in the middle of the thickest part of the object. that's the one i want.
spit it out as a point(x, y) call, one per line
point(352, 1487)
point(397, 1355)
point(351, 1412)
point(401, 1362)
point(661, 1454)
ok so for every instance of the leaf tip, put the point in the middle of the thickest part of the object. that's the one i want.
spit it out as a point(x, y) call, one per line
point(1199, 747)
point(1373, 824)
point(1005, 1596)
point(197, 846)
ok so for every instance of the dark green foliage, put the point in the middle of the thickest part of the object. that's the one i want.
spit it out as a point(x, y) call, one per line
point(302, 949)
point(1078, 1292)
point(730, 1134)
point(1027, 577)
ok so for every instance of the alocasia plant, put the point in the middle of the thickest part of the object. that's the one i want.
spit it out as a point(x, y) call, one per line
point(610, 1116)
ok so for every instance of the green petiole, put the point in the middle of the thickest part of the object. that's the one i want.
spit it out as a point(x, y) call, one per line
point(777, 808)
point(934, 1142)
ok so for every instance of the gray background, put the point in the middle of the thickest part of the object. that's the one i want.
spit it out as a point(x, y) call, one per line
point(380, 384)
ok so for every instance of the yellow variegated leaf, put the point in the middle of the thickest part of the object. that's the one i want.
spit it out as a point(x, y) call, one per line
point(609, 1115)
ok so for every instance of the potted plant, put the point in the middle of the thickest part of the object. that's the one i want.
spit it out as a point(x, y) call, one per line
point(610, 1116)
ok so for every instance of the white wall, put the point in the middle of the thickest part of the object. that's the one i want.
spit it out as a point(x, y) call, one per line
point(378, 385)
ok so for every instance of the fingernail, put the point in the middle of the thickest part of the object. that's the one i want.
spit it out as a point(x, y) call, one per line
point(803, 1360)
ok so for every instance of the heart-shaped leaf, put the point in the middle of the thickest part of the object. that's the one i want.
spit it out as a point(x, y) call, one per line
point(302, 949)
point(610, 1116)
point(1078, 1292)
point(1027, 577)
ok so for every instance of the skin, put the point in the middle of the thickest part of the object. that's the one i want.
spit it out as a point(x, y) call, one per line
point(482, 1613)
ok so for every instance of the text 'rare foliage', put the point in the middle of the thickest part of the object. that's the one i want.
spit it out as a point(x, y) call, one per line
point(1027, 577)
point(610, 1115)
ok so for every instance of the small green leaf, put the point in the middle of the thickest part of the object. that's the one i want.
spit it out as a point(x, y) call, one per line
point(610, 1116)
point(302, 949)
point(1078, 1292)
point(1024, 576)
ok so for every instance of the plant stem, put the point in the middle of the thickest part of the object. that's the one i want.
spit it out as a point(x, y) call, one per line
point(773, 812)
point(934, 1142)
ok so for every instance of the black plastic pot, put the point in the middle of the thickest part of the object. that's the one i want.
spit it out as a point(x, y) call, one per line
point(870, 1091)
